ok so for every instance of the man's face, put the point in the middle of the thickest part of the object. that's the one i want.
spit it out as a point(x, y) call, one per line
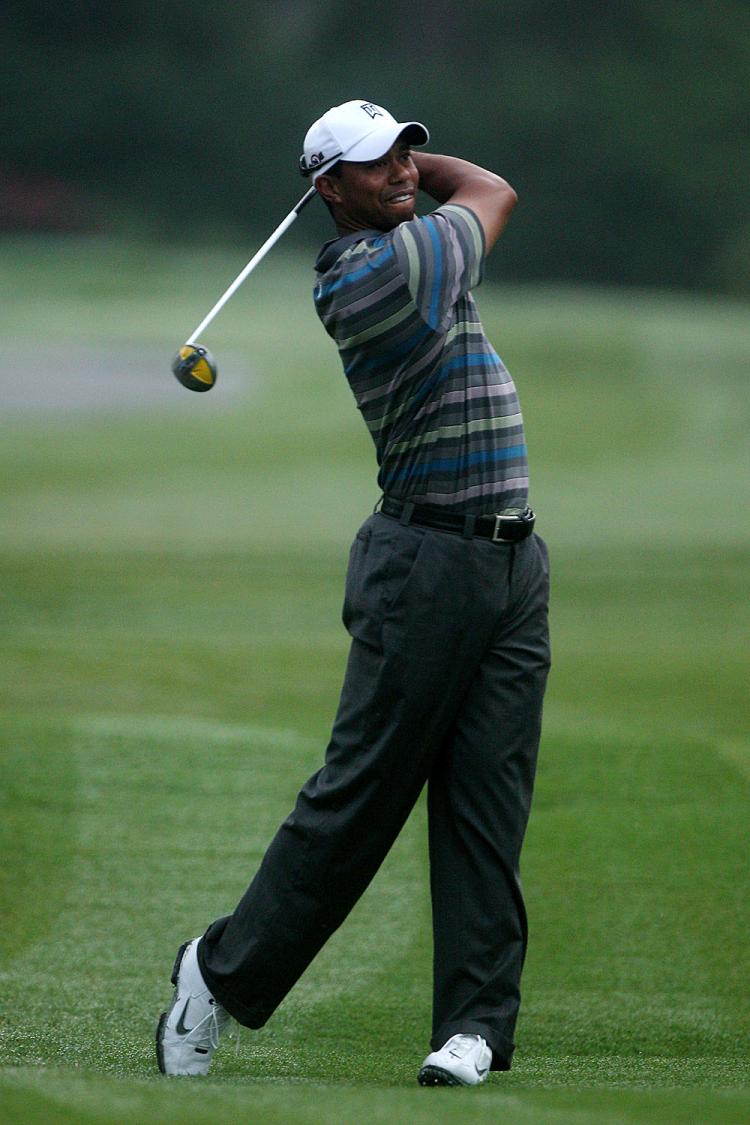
point(378, 193)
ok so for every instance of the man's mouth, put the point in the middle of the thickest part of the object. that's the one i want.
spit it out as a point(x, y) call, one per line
point(400, 197)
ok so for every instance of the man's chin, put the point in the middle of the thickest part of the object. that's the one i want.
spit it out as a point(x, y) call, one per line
point(394, 216)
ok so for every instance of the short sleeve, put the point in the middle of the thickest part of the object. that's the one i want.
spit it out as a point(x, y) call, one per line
point(441, 256)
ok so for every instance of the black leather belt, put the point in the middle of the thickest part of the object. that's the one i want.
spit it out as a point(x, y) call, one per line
point(501, 528)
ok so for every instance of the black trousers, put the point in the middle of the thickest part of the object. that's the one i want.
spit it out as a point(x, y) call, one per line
point(444, 686)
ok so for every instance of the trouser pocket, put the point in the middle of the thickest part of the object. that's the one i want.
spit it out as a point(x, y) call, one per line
point(381, 561)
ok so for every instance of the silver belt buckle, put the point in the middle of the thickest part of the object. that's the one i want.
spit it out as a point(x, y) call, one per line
point(499, 521)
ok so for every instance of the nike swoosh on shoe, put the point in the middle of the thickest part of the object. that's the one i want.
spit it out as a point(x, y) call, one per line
point(181, 1029)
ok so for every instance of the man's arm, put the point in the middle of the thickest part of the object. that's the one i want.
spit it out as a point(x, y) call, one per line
point(450, 180)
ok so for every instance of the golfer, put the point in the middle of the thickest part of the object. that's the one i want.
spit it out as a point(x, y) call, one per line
point(446, 604)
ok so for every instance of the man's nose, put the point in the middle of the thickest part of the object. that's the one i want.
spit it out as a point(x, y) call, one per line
point(395, 170)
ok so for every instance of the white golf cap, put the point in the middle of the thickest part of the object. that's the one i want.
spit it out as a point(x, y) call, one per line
point(356, 130)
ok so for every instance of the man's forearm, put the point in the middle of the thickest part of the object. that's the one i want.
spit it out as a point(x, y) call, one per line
point(442, 176)
point(450, 179)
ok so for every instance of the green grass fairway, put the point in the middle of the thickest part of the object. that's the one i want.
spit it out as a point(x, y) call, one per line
point(172, 569)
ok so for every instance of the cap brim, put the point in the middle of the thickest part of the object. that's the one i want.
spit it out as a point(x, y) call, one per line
point(380, 140)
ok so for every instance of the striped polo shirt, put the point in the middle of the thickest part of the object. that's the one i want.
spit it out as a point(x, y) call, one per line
point(438, 401)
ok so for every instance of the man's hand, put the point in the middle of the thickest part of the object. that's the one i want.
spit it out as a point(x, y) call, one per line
point(450, 180)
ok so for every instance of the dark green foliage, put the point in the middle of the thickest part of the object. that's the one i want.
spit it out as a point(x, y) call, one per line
point(623, 127)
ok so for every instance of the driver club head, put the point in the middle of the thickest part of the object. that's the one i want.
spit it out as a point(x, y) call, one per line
point(195, 367)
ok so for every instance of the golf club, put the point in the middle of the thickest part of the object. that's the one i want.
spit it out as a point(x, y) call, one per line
point(194, 366)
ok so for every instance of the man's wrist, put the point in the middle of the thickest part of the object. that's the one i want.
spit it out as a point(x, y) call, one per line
point(438, 175)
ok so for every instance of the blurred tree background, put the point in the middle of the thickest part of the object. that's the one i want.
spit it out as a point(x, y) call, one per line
point(622, 126)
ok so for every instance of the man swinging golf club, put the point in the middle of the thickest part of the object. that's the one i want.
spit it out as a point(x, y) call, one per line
point(446, 604)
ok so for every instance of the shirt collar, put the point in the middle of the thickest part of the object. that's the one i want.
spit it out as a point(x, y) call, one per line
point(332, 250)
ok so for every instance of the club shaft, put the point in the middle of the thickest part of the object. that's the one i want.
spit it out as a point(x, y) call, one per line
point(257, 257)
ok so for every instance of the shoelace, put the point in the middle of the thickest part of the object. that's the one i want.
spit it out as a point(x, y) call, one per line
point(217, 1019)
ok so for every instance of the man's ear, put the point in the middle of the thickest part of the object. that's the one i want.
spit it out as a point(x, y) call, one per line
point(328, 187)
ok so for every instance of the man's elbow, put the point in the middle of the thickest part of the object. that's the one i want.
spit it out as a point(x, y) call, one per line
point(509, 195)
point(504, 197)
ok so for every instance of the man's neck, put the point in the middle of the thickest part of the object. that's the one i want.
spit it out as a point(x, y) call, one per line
point(344, 227)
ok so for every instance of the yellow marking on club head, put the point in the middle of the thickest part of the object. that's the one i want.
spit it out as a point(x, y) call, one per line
point(203, 372)
point(202, 369)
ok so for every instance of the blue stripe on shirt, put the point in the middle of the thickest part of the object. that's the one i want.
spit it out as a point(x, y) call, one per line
point(479, 360)
point(447, 464)
point(356, 275)
point(438, 266)
point(385, 357)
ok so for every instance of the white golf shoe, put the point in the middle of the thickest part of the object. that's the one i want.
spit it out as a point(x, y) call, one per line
point(188, 1034)
point(463, 1061)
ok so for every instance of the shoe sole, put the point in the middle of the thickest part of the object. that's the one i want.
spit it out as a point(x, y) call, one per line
point(160, 1028)
point(436, 1076)
point(162, 1024)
